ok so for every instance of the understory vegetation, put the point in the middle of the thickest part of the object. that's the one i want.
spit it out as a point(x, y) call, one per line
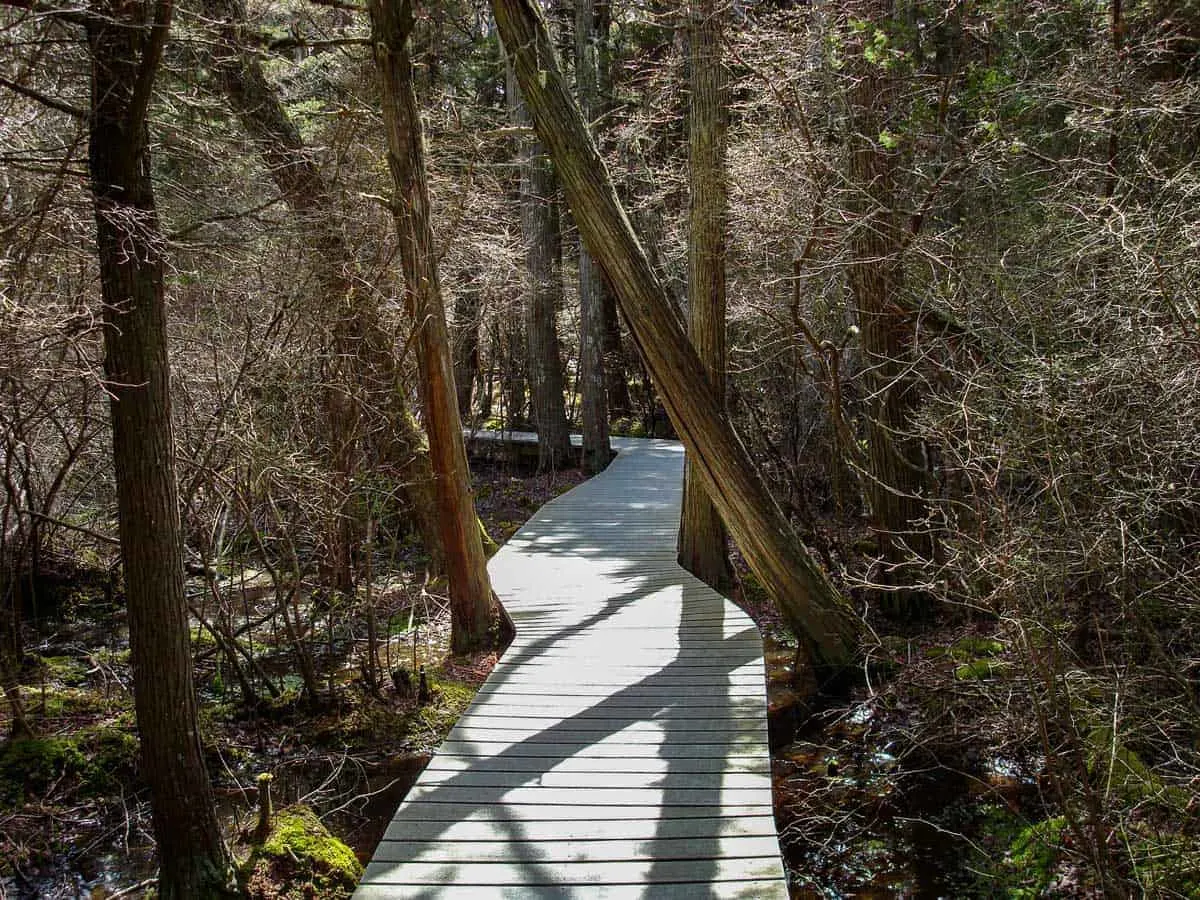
point(961, 252)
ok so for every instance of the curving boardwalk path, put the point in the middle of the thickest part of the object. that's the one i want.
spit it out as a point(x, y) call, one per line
point(619, 748)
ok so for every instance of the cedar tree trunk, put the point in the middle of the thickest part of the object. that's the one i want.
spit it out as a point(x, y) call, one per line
point(597, 450)
point(803, 593)
point(471, 597)
point(701, 533)
point(896, 476)
point(542, 237)
point(125, 51)
point(363, 347)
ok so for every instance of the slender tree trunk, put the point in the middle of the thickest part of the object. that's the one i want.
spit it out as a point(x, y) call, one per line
point(616, 366)
point(540, 232)
point(471, 597)
point(513, 387)
point(466, 347)
point(896, 476)
point(803, 593)
point(597, 450)
point(10, 654)
point(125, 51)
point(701, 532)
point(362, 345)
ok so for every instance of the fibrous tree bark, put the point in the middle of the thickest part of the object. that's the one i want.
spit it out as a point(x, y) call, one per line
point(597, 450)
point(466, 347)
point(542, 237)
point(701, 533)
point(363, 348)
point(471, 598)
point(616, 374)
point(802, 591)
point(126, 46)
point(896, 477)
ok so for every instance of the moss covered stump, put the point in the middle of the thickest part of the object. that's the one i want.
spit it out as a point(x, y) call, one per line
point(300, 860)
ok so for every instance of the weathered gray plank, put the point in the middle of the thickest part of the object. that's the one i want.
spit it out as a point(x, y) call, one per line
point(619, 747)
point(587, 781)
point(547, 747)
point(591, 850)
point(433, 812)
point(524, 872)
point(449, 762)
point(592, 830)
point(727, 890)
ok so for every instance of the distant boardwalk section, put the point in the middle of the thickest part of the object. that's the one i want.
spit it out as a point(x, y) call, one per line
point(619, 748)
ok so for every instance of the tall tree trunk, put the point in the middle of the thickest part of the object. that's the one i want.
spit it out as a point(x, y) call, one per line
point(896, 476)
point(466, 347)
point(616, 366)
point(597, 450)
point(471, 597)
point(701, 532)
point(362, 345)
point(803, 593)
point(543, 294)
point(512, 388)
point(125, 51)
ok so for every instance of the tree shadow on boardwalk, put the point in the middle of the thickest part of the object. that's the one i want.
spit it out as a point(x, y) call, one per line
point(652, 720)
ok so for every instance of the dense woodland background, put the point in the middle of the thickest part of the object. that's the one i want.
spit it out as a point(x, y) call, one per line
point(961, 250)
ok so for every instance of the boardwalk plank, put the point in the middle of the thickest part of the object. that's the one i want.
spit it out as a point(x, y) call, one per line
point(594, 830)
point(618, 748)
point(525, 872)
point(591, 850)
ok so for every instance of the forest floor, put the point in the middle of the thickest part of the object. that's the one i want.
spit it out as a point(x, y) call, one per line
point(881, 792)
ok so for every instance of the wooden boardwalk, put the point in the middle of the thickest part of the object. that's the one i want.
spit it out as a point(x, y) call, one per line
point(619, 748)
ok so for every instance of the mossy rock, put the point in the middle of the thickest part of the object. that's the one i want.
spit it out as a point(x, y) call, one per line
point(300, 860)
point(30, 765)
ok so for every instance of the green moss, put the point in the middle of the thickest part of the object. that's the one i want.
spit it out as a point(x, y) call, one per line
point(202, 638)
point(1032, 857)
point(300, 858)
point(30, 765)
point(111, 753)
point(66, 670)
point(1123, 771)
point(979, 669)
point(971, 647)
point(489, 546)
point(627, 427)
point(1168, 865)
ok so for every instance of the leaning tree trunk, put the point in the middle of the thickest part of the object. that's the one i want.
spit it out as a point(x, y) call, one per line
point(803, 593)
point(541, 235)
point(125, 51)
point(701, 532)
point(896, 477)
point(471, 597)
point(363, 347)
point(597, 450)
